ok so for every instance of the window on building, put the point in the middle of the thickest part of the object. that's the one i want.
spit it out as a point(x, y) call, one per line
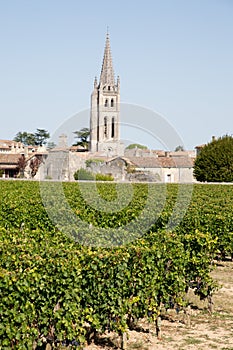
point(168, 178)
point(109, 88)
point(98, 132)
point(113, 128)
point(112, 102)
point(105, 126)
point(106, 103)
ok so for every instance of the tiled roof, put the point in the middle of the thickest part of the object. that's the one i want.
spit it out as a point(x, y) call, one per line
point(162, 162)
point(77, 148)
point(9, 159)
point(9, 143)
point(125, 159)
point(8, 166)
point(156, 162)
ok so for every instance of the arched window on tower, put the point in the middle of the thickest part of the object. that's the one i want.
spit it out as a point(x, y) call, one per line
point(106, 103)
point(112, 102)
point(113, 128)
point(105, 126)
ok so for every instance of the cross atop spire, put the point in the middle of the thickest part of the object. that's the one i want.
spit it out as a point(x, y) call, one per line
point(107, 73)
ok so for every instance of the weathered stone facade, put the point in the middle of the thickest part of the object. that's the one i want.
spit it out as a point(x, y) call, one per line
point(107, 154)
point(105, 110)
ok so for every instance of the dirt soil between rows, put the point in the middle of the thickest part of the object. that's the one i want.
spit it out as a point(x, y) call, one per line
point(206, 331)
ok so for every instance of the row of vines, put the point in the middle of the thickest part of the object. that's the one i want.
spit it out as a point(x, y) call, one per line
point(61, 284)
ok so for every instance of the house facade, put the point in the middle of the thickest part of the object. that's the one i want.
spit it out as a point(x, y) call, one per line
point(9, 165)
point(10, 154)
point(150, 169)
point(16, 159)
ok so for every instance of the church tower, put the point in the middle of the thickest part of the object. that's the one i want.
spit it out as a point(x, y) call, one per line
point(105, 110)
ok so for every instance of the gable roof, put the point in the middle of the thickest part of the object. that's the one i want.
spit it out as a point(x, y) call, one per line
point(162, 162)
point(126, 160)
point(9, 161)
point(7, 144)
point(9, 158)
point(155, 162)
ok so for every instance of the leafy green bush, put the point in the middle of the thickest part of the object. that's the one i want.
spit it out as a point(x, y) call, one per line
point(215, 161)
point(136, 145)
point(83, 174)
point(91, 161)
point(104, 177)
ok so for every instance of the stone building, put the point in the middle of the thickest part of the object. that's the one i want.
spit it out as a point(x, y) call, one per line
point(107, 153)
point(11, 153)
point(105, 110)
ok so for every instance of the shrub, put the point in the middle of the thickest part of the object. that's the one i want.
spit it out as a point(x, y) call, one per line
point(215, 161)
point(136, 145)
point(104, 177)
point(91, 161)
point(83, 174)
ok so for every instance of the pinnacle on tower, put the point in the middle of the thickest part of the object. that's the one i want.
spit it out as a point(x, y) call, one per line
point(107, 73)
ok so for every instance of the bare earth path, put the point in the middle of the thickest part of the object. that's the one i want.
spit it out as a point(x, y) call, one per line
point(206, 331)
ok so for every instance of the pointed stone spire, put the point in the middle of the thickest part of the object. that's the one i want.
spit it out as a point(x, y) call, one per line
point(95, 83)
point(107, 73)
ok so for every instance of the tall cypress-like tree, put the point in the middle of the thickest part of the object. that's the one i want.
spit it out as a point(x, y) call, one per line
point(41, 137)
point(215, 161)
point(83, 137)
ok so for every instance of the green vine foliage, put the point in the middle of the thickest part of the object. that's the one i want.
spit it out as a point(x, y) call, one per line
point(54, 290)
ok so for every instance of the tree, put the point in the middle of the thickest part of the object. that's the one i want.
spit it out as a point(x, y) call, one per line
point(215, 161)
point(38, 138)
point(83, 137)
point(136, 145)
point(41, 136)
point(50, 145)
point(27, 138)
point(21, 165)
point(34, 165)
point(83, 174)
point(179, 148)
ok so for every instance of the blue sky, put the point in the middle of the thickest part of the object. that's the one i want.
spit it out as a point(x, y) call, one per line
point(174, 57)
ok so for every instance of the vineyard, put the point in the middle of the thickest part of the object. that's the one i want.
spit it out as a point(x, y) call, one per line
point(80, 259)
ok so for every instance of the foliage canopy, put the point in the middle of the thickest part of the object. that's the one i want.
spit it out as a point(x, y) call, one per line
point(56, 292)
point(83, 174)
point(38, 138)
point(179, 148)
point(136, 145)
point(83, 137)
point(215, 161)
point(25, 137)
point(41, 137)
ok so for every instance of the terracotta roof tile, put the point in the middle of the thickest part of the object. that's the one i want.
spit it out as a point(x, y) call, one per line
point(9, 143)
point(162, 162)
point(9, 158)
